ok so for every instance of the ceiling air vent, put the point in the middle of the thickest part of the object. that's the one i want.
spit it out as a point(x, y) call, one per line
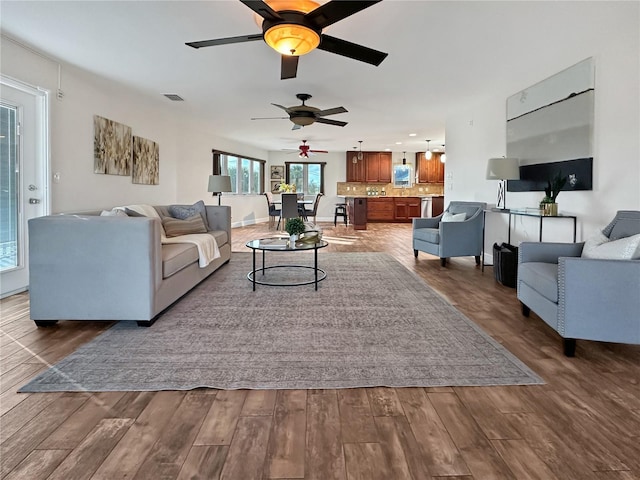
point(174, 97)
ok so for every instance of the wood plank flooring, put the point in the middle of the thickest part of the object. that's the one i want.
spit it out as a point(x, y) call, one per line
point(583, 424)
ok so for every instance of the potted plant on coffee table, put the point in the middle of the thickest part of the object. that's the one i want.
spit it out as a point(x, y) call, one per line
point(294, 227)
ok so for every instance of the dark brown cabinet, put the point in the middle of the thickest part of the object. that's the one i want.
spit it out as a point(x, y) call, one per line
point(406, 208)
point(355, 171)
point(378, 167)
point(374, 167)
point(430, 171)
point(357, 212)
point(437, 206)
point(380, 209)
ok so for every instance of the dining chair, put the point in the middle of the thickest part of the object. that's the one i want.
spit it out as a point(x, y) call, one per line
point(314, 211)
point(273, 211)
point(289, 207)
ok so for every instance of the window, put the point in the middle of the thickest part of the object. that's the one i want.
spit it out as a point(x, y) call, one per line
point(247, 174)
point(308, 177)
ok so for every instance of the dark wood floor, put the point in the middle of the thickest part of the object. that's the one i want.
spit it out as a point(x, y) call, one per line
point(583, 424)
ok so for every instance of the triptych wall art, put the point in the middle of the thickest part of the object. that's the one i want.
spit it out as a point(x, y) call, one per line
point(117, 152)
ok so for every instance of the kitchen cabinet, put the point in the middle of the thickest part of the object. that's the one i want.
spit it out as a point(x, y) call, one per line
point(430, 171)
point(378, 167)
point(375, 167)
point(406, 208)
point(355, 171)
point(357, 212)
point(437, 206)
point(380, 209)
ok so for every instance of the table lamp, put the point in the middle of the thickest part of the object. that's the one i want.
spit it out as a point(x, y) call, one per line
point(219, 184)
point(503, 169)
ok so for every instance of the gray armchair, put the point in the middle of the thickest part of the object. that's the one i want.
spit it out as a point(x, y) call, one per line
point(583, 298)
point(451, 239)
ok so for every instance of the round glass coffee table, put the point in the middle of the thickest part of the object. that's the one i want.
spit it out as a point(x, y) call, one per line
point(283, 245)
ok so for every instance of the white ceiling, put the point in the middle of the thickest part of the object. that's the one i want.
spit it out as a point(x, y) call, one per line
point(444, 56)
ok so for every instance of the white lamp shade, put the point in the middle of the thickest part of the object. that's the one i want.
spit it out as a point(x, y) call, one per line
point(503, 168)
point(219, 183)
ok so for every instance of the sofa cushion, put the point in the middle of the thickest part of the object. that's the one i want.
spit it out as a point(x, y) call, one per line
point(176, 256)
point(542, 277)
point(183, 212)
point(431, 235)
point(625, 227)
point(174, 227)
point(221, 236)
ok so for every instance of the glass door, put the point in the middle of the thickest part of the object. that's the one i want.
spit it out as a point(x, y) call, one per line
point(23, 177)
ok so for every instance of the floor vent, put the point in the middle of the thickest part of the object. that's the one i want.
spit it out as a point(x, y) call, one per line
point(174, 97)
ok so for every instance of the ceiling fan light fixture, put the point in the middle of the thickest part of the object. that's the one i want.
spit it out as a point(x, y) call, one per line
point(291, 39)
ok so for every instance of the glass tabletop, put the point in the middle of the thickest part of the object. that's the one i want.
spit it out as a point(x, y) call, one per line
point(283, 244)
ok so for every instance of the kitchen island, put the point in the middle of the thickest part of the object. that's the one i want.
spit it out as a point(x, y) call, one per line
point(392, 209)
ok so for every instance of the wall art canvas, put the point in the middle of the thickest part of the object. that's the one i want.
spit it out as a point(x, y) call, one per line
point(146, 161)
point(277, 172)
point(553, 120)
point(111, 147)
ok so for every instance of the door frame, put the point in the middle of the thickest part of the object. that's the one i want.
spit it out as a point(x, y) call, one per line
point(42, 159)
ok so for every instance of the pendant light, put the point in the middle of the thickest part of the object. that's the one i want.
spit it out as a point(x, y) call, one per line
point(443, 157)
point(357, 156)
point(404, 159)
point(428, 153)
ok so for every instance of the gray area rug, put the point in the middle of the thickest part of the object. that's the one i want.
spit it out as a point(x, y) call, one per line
point(372, 322)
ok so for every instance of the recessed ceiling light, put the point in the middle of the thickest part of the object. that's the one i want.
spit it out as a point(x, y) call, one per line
point(412, 134)
point(398, 143)
point(387, 149)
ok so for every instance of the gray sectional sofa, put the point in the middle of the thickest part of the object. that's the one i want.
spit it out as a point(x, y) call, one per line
point(90, 267)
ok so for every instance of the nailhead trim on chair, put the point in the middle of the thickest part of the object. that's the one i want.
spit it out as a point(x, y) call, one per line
point(561, 295)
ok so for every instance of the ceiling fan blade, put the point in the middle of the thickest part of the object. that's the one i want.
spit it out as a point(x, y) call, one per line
point(262, 9)
point(328, 121)
point(332, 12)
point(289, 67)
point(331, 111)
point(351, 50)
point(318, 151)
point(224, 41)
point(270, 118)
point(296, 127)
point(280, 106)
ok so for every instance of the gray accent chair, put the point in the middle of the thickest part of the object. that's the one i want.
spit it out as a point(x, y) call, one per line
point(583, 298)
point(451, 239)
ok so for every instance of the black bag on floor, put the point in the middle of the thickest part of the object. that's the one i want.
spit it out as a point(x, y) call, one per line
point(505, 264)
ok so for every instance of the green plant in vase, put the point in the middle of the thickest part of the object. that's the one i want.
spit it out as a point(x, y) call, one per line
point(548, 204)
point(294, 226)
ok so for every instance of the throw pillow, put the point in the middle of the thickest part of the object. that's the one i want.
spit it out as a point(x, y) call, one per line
point(132, 213)
point(453, 217)
point(174, 227)
point(593, 242)
point(627, 248)
point(113, 213)
point(181, 212)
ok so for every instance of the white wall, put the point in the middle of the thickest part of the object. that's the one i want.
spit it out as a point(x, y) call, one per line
point(479, 133)
point(185, 143)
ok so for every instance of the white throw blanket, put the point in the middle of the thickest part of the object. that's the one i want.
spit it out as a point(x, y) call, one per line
point(205, 243)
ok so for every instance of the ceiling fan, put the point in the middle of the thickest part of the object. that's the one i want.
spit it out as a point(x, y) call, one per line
point(305, 150)
point(294, 28)
point(304, 115)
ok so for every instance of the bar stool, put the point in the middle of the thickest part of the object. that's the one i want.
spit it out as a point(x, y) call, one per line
point(340, 211)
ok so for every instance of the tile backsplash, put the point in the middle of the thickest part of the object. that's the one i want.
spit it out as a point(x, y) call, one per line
point(349, 189)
